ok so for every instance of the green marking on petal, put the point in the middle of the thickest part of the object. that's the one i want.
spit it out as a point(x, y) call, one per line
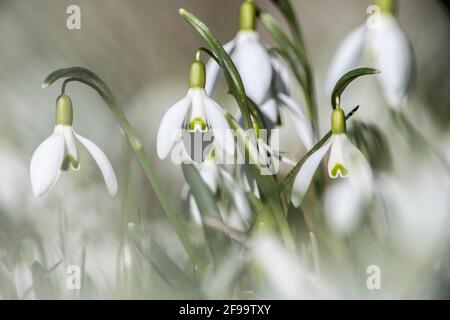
point(339, 168)
point(69, 160)
point(197, 124)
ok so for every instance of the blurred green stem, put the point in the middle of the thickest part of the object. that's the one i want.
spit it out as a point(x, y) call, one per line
point(89, 78)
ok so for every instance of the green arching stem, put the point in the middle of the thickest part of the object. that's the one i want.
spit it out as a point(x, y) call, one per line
point(89, 78)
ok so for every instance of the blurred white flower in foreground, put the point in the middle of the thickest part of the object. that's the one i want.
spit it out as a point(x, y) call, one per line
point(419, 209)
point(196, 112)
point(343, 202)
point(286, 276)
point(59, 151)
point(265, 76)
point(385, 45)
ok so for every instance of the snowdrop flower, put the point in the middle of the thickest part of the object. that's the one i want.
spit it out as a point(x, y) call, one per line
point(196, 112)
point(59, 153)
point(385, 45)
point(345, 161)
point(265, 75)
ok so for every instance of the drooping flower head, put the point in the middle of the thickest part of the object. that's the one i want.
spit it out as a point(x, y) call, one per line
point(264, 74)
point(382, 42)
point(59, 153)
point(345, 198)
point(195, 113)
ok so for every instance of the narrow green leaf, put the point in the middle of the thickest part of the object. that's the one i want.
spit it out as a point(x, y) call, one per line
point(288, 13)
point(345, 80)
point(295, 58)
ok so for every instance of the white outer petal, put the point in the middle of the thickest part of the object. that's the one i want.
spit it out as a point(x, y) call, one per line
point(209, 172)
point(394, 58)
point(337, 154)
point(343, 206)
point(215, 117)
point(270, 111)
point(301, 121)
point(347, 56)
point(46, 161)
point(253, 63)
point(170, 126)
point(70, 145)
point(359, 171)
point(212, 69)
point(281, 75)
point(306, 173)
point(103, 163)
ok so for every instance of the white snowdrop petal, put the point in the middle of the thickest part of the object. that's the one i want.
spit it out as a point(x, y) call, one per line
point(301, 121)
point(71, 145)
point(281, 75)
point(46, 161)
point(213, 69)
point(347, 56)
point(337, 166)
point(171, 125)
point(215, 116)
point(253, 63)
point(270, 112)
point(343, 206)
point(394, 58)
point(306, 173)
point(360, 173)
point(103, 163)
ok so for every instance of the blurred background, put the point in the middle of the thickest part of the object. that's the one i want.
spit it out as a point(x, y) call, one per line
point(142, 49)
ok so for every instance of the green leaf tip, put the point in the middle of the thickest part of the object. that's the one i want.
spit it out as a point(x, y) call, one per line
point(182, 11)
point(345, 80)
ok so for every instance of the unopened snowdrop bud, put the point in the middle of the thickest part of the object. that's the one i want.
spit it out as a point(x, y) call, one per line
point(64, 110)
point(248, 16)
point(338, 121)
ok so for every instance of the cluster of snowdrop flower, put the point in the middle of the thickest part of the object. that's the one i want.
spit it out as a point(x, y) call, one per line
point(380, 42)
